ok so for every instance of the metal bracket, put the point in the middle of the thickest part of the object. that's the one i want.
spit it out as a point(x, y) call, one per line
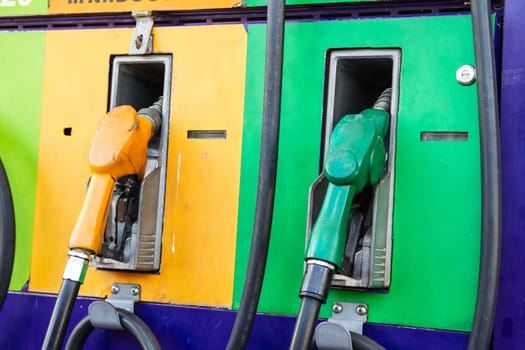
point(104, 315)
point(142, 41)
point(351, 316)
point(124, 296)
point(335, 333)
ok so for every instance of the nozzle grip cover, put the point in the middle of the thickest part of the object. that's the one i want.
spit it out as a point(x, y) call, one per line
point(328, 237)
point(91, 224)
point(356, 154)
point(120, 145)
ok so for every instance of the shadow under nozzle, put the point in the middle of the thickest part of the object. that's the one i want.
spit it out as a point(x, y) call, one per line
point(153, 113)
point(383, 101)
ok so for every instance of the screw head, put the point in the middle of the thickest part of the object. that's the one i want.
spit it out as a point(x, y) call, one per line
point(134, 291)
point(337, 308)
point(115, 289)
point(466, 75)
point(361, 309)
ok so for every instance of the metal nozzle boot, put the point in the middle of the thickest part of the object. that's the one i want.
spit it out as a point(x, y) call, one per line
point(153, 113)
point(383, 101)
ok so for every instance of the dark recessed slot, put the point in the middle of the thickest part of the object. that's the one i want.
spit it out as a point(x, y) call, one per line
point(414, 12)
point(453, 10)
point(95, 24)
point(374, 14)
point(436, 136)
point(163, 22)
point(359, 82)
point(68, 131)
point(124, 24)
point(37, 26)
point(193, 21)
point(300, 17)
point(335, 15)
point(256, 19)
point(226, 20)
point(139, 84)
point(207, 134)
point(65, 25)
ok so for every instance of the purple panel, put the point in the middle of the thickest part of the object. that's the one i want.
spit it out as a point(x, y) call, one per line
point(509, 330)
point(404, 338)
point(24, 317)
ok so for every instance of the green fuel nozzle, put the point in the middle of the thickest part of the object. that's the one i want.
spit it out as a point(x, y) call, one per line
point(356, 156)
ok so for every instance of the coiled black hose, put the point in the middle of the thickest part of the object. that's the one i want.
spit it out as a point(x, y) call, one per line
point(267, 175)
point(7, 234)
point(361, 342)
point(482, 328)
point(131, 322)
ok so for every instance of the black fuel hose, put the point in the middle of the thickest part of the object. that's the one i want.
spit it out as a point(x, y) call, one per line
point(361, 342)
point(61, 315)
point(131, 322)
point(305, 324)
point(267, 177)
point(482, 328)
point(7, 234)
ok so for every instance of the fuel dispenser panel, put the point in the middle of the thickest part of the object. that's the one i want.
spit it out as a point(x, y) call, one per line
point(187, 213)
point(435, 203)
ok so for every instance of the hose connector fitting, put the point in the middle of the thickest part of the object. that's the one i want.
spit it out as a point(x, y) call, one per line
point(384, 100)
point(317, 279)
point(77, 265)
point(154, 114)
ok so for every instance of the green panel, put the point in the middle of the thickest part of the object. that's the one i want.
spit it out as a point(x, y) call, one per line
point(21, 69)
point(23, 7)
point(437, 189)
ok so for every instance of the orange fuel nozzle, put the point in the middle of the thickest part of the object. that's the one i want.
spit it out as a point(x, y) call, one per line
point(119, 148)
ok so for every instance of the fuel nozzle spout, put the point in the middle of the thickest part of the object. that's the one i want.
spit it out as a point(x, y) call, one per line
point(384, 100)
point(154, 114)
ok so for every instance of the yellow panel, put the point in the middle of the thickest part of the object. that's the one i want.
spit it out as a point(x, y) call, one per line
point(92, 6)
point(200, 225)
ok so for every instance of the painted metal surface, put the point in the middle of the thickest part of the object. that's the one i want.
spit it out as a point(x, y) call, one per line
point(21, 72)
point(509, 329)
point(24, 318)
point(274, 332)
point(198, 250)
point(22, 7)
point(437, 190)
point(104, 6)
point(238, 15)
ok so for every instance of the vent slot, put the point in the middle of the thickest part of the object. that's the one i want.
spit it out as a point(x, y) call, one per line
point(439, 136)
point(207, 134)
